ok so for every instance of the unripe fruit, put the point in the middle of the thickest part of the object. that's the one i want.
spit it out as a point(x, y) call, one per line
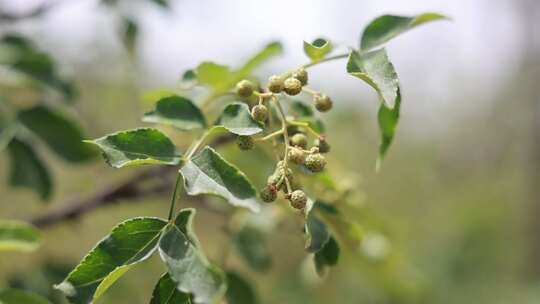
point(322, 144)
point(298, 199)
point(292, 86)
point(323, 103)
point(259, 113)
point(315, 162)
point(274, 179)
point(296, 155)
point(268, 194)
point(302, 75)
point(245, 142)
point(245, 88)
point(275, 84)
point(299, 140)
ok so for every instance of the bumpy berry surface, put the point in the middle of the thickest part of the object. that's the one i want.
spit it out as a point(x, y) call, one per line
point(292, 86)
point(275, 84)
point(323, 103)
point(259, 113)
point(301, 75)
point(245, 142)
point(268, 194)
point(298, 199)
point(299, 140)
point(245, 88)
point(296, 155)
point(315, 162)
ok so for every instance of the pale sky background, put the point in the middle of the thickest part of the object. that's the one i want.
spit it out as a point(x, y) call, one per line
point(447, 69)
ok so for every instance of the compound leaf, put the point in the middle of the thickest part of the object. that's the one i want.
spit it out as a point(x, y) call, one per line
point(60, 133)
point(27, 169)
point(251, 245)
point(16, 296)
point(386, 27)
point(237, 119)
point(177, 111)
point(239, 290)
point(327, 256)
point(209, 173)
point(138, 147)
point(189, 268)
point(165, 292)
point(129, 243)
point(318, 49)
point(376, 70)
point(18, 236)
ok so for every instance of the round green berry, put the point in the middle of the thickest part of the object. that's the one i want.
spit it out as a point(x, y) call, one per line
point(322, 144)
point(296, 155)
point(245, 142)
point(323, 103)
point(268, 194)
point(259, 113)
point(299, 140)
point(245, 88)
point(292, 86)
point(302, 75)
point(298, 199)
point(275, 84)
point(315, 162)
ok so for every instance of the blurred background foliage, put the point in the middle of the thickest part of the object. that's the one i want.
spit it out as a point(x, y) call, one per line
point(450, 218)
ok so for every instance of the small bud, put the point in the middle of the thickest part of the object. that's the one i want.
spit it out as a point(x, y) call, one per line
point(268, 194)
point(245, 88)
point(298, 199)
point(323, 103)
point(259, 113)
point(302, 75)
point(275, 84)
point(322, 144)
point(296, 155)
point(292, 86)
point(245, 142)
point(299, 140)
point(315, 162)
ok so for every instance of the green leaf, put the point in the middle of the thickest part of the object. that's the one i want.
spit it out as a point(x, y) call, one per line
point(239, 290)
point(376, 70)
point(209, 173)
point(386, 27)
point(129, 243)
point(165, 292)
point(388, 120)
point(318, 49)
point(26, 59)
point(177, 111)
point(27, 169)
point(138, 147)
point(60, 133)
point(189, 268)
point(18, 236)
point(237, 119)
point(327, 256)
point(270, 50)
point(16, 296)
point(188, 80)
point(184, 222)
point(221, 78)
point(250, 242)
point(316, 231)
point(214, 75)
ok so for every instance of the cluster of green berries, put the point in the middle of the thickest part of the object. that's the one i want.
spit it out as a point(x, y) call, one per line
point(298, 152)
